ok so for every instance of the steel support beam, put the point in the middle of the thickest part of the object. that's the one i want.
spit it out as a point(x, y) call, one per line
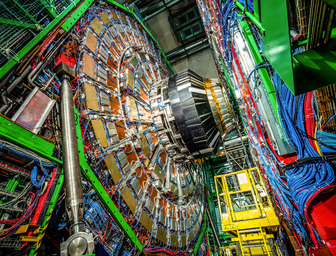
point(214, 229)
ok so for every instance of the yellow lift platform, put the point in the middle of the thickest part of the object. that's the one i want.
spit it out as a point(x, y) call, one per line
point(247, 213)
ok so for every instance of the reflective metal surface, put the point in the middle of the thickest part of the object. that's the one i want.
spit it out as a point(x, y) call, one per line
point(74, 194)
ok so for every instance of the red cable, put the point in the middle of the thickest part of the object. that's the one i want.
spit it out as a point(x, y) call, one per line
point(14, 169)
point(309, 118)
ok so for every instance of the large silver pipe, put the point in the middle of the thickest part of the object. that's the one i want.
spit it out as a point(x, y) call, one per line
point(74, 200)
point(236, 140)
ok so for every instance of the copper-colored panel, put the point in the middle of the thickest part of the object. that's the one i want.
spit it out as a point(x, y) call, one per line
point(191, 235)
point(112, 65)
point(115, 16)
point(112, 82)
point(154, 137)
point(173, 212)
point(162, 203)
point(123, 17)
point(114, 103)
point(105, 18)
point(163, 155)
point(180, 215)
point(184, 240)
point(97, 26)
point(143, 94)
point(149, 73)
point(111, 164)
point(146, 221)
point(173, 169)
point(161, 235)
point(142, 180)
point(174, 241)
point(91, 41)
point(144, 145)
point(99, 131)
point(129, 198)
point(91, 97)
point(88, 65)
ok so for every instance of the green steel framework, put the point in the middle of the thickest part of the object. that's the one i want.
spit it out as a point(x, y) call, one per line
point(70, 20)
point(302, 72)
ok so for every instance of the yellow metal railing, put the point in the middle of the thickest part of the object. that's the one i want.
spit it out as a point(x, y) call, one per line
point(246, 212)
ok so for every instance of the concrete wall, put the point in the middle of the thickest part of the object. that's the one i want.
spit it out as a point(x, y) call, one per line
point(201, 63)
point(163, 30)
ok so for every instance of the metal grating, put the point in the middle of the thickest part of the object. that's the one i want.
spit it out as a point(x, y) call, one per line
point(326, 98)
point(22, 20)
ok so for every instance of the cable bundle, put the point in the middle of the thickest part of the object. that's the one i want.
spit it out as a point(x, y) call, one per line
point(303, 181)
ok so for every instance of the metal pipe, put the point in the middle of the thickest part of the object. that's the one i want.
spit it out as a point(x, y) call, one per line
point(11, 87)
point(32, 76)
point(74, 200)
point(234, 141)
point(213, 229)
point(329, 26)
point(251, 16)
point(13, 72)
point(16, 103)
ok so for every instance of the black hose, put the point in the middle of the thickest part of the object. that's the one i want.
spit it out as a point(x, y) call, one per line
point(14, 70)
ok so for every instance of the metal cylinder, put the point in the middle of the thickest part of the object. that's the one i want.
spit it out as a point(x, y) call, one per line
point(74, 200)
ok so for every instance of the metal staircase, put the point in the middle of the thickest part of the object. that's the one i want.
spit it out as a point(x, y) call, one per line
point(255, 241)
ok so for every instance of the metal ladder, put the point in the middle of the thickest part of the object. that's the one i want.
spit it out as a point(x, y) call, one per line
point(255, 242)
point(236, 153)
